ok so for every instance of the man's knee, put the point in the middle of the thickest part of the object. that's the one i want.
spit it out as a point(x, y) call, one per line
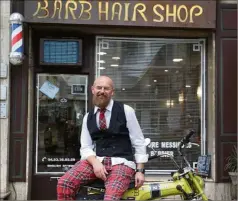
point(62, 180)
point(62, 183)
point(65, 189)
point(66, 183)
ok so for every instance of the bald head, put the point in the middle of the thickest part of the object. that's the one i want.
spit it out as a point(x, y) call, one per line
point(104, 79)
point(102, 90)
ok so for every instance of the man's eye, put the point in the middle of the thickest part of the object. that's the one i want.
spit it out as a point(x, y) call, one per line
point(105, 88)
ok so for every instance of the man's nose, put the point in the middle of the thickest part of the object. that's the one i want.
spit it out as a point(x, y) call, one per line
point(102, 90)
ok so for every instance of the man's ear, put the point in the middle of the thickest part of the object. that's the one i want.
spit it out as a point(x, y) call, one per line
point(92, 89)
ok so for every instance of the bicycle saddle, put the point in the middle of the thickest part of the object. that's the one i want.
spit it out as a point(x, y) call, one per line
point(98, 183)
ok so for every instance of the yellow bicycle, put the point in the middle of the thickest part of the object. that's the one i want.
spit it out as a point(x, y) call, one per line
point(184, 182)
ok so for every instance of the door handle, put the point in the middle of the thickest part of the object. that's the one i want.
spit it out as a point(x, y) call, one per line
point(52, 178)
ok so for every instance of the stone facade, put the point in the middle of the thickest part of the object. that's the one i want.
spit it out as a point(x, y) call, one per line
point(4, 122)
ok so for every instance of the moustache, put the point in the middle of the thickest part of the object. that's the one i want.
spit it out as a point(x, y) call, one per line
point(101, 94)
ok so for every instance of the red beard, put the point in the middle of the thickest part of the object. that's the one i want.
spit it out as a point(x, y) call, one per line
point(101, 100)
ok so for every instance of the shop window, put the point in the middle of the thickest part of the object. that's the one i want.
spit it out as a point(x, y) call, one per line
point(163, 80)
point(61, 103)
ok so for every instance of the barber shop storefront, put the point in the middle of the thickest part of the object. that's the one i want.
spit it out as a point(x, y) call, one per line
point(160, 56)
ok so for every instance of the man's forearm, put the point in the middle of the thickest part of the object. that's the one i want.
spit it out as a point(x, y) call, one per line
point(140, 165)
point(92, 160)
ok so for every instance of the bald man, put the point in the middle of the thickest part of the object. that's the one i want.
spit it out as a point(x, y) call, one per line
point(109, 133)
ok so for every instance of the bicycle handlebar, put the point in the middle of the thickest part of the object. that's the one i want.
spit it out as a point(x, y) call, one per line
point(188, 136)
point(157, 156)
point(185, 140)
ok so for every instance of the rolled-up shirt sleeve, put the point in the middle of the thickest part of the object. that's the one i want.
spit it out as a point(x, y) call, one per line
point(87, 146)
point(136, 135)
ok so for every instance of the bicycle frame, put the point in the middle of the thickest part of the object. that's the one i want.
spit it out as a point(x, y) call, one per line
point(188, 188)
point(157, 190)
point(184, 183)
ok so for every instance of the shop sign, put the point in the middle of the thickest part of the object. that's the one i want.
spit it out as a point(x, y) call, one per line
point(78, 89)
point(189, 14)
point(63, 100)
point(49, 89)
point(165, 149)
point(56, 164)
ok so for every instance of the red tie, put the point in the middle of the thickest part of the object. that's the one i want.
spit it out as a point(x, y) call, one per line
point(102, 119)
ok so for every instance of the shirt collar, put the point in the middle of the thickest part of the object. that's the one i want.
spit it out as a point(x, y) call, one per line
point(108, 108)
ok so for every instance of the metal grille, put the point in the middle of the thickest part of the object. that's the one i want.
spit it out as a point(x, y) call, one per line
point(160, 79)
point(61, 52)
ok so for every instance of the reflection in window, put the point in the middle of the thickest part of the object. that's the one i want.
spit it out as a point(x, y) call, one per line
point(160, 79)
point(61, 105)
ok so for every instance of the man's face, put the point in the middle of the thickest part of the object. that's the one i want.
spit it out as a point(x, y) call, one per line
point(102, 91)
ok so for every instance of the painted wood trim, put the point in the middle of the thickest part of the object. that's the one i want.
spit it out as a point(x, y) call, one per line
point(226, 134)
point(19, 110)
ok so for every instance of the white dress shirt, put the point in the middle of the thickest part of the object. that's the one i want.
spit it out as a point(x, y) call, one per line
point(136, 137)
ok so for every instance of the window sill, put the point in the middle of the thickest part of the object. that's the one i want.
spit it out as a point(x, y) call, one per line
point(209, 180)
point(4, 195)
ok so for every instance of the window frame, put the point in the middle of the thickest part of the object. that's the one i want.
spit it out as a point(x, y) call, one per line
point(37, 108)
point(201, 44)
point(80, 49)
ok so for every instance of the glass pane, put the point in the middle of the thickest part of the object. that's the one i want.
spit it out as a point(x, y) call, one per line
point(160, 79)
point(61, 51)
point(61, 104)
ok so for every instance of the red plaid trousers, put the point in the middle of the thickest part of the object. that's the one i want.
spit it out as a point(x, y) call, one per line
point(118, 180)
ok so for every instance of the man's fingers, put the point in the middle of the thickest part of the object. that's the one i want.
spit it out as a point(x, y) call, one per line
point(136, 182)
point(103, 175)
point(105, 171)
point(98, 175)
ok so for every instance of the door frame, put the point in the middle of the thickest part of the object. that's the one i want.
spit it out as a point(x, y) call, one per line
point(86, 69)
point(35, 172)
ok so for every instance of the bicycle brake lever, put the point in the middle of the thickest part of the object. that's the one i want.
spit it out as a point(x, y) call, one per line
point(196, 144)
point(189, 135)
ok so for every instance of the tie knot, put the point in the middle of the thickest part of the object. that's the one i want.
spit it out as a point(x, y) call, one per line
point(102, 110)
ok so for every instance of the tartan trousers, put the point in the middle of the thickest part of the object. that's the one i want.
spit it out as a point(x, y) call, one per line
point(117, 182)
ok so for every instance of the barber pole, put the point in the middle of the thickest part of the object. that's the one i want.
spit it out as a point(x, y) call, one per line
point(16, 25)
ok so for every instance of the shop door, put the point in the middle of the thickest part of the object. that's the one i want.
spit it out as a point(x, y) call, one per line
point(61, 102)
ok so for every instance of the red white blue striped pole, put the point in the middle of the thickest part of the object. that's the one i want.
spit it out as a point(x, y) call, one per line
point(16, 25)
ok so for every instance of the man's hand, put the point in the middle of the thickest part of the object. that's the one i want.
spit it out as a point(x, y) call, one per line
point(99, 170)
point(139, 179)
